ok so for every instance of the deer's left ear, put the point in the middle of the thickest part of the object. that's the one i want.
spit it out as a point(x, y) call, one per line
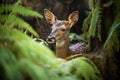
point(50, 17)
point(73, 17)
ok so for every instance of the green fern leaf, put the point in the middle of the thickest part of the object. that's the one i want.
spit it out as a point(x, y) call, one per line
point(12, 34)
point(17, 9)
point(95, 22)
point(21, 43)
point(112, 43)
point(83, 69)
point(8, 64)
point(16, 21)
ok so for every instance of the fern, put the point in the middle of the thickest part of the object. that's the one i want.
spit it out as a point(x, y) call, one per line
point(85, 66)
point(29, 58)
point(75, 37)
point(92, 24)
point(95, 20)
point(22, 51)
point(13, 20)
point(108, 3)
point(86, 23)
point(10, 18)
point(11, 36)
point(22, 57)
point(113, 43)
point(18, 9)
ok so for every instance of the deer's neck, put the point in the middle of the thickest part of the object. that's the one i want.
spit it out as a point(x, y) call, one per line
point(62, 48)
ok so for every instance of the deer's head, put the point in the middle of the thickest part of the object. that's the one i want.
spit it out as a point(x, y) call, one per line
point(60, 28)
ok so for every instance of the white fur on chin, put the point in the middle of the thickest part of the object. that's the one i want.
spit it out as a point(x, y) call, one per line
point(60, 44)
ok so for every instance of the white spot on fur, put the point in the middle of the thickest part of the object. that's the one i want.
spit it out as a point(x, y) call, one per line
point(60, 43)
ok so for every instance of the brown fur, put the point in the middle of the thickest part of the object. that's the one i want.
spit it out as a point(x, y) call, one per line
point(60, 32)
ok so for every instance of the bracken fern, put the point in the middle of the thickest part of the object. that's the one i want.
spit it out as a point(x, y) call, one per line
point(9, 16)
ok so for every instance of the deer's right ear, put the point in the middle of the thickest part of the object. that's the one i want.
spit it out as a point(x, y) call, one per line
point(50, 17)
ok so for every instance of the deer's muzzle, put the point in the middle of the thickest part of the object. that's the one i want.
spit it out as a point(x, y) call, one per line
point(50, 39)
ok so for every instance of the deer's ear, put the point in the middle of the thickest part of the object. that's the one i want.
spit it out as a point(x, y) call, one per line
point(50, 17)
point(73, 17)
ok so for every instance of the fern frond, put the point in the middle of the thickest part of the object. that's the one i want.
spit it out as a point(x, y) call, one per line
point(8, 64)
point(16, 21)
point(12, 34)
point(113, 42)
point(17, 9)
point(86, 23)
point(82, 68)
point(20, 43)
point(95, 20)
point(108, 3)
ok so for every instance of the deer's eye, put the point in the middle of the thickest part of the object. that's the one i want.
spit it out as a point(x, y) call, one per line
point(63, 30)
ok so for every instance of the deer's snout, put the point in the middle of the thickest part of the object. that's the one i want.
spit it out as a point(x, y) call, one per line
point(50, 39)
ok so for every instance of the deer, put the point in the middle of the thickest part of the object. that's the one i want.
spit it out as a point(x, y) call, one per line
point(60, 35)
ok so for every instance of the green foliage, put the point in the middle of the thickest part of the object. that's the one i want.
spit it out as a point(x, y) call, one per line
point(20, 56)
point(75, 37)
point(86, 23)
point(92, 24)
point(112, 43)
point(18, 9)
point(108, 4)
point(23, 58)
point(16, 21)
point(9, 16)
point(94, 20)
point(80, 67)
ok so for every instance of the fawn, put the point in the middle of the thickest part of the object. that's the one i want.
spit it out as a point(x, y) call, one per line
point(60, 34)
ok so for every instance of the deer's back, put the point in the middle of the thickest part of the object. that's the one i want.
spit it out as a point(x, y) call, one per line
point(78, 47)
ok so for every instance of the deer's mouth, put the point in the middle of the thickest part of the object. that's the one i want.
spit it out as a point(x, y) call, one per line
point(51, 40)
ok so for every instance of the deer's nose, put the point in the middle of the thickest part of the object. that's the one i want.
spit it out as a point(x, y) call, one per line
point(50, 39)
